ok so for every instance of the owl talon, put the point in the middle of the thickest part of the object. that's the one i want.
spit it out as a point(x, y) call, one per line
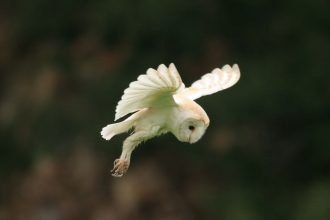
point(120, 167)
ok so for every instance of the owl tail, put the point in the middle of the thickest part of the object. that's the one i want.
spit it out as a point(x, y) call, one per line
point(113, 129)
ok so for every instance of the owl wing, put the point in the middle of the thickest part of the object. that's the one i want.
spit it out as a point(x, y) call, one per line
point(217, 80)
point(156, 88)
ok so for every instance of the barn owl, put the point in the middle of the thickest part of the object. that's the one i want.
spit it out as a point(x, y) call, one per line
point(162, 104)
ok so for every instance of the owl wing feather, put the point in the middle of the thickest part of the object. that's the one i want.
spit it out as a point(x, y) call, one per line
point(156, 88)
point(217, 80)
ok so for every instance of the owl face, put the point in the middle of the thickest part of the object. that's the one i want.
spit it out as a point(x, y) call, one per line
point(191, 130)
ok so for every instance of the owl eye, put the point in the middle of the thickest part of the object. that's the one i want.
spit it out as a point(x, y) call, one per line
point(191, 128)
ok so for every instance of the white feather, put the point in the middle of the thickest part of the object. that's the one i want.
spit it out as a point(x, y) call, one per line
point(154, 88)
point(113, 129)
point(213, 82)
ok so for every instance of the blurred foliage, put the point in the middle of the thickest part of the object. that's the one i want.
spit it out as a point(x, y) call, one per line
point(64, 66)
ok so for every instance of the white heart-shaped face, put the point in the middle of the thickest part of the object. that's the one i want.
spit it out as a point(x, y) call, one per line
point(191, 130)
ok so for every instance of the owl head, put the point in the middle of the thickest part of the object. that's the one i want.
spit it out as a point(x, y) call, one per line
point(194, 121)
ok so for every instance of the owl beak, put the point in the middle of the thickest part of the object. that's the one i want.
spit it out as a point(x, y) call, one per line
point(189, 139)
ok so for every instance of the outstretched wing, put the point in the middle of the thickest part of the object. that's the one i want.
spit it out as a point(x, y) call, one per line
point(217, 80)
point(156, 88)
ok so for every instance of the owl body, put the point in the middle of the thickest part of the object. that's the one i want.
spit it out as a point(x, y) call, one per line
point(162, 104)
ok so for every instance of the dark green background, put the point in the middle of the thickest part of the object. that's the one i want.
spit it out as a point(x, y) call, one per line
point(65, 63)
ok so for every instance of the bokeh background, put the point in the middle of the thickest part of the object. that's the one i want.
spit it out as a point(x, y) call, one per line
point(64, 66)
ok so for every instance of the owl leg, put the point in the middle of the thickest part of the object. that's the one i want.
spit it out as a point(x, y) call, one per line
point(121, 165)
